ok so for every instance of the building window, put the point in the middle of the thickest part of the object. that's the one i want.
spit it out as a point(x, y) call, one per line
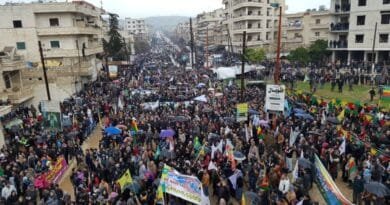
point(361, 20)
point(318, 21)
point(317, 34)
point(7, 81)
point(20, 45)
point(259, 25)
point(54, 22)
point(55, 44)
point(359, 38)
point(386, 1)
point(362, 3)
point(383, 38)
point(18, 24)
point(385, 18)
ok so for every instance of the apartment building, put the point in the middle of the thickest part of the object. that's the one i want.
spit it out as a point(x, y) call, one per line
point(182, 30)
point(259, 18)
point(137, 28)
point(208, 30)
point(70, 34)
point(353, 27)
point(303, 28)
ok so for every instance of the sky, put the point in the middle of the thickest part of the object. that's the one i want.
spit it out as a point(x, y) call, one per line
point(145, 8)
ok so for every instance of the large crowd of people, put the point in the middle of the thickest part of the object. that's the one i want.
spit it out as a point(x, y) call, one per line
point(200, 112)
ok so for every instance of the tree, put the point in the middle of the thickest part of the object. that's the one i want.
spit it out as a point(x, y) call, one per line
point(255, 55)
point(299, 55)
point(115, 47)
point(141, 46)
point(318, 52)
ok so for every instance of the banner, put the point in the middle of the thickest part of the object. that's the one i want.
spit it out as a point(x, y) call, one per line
point(385, 98)
point(242, 112)
point(112, 71)
point(51, 112)
point(53, 176)
point(328, 188)
point(274, 98)
point(185, 187)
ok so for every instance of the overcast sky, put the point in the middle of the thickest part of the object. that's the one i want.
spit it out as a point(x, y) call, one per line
point(145, 8)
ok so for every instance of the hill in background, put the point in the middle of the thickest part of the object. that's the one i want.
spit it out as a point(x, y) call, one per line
point(165, 23)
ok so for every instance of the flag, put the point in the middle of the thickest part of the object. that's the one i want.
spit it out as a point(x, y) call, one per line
point(323, 118)
point(216, 148)
point(212, 166)
point(120, 104)
point(260, 133)
point(293, 136)
point(243, 199)
point(197, 144)
point(295, 172)
point(342, 147)
point(160, 193)
point(373, 151)
point(233, 178)
point(157, 153)
point(247, 136)
point(340, 117)
point(134, 125)
point(352, 168)
point(125, 179)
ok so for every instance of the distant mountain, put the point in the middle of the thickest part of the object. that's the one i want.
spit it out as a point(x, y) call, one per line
point(165, 23)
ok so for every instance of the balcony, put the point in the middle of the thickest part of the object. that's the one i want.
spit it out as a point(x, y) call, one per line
point(21, 96)
point(58, 52)
point(312, 39)
point(247, 17)
point(293, 40)
point(75, 30)
point(339, 27)
point(11, 64)
point(64, 7)
point(247, 3)
point(338, 45)
point(294, 27)
point(248, 30)
point(256, 43)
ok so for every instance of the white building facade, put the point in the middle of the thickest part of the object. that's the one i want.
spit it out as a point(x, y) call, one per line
point(137, 28)
point(259, 18)
point(208, 30)
point(352, 31)
point(70, 34)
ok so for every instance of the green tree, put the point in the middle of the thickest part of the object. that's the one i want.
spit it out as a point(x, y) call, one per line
point(115, 47)
point(318, 52)
point(254, 55)
point(141, 46)
point(299, 55)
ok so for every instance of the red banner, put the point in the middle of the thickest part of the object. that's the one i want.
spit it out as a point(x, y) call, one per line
point(53, 176)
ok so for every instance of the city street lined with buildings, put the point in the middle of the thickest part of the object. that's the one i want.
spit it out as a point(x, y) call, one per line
point(248, 103)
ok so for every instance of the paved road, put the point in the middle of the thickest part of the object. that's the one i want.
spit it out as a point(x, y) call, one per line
point(92, 142)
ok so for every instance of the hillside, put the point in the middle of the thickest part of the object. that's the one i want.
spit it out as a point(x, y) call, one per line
point(165, 23)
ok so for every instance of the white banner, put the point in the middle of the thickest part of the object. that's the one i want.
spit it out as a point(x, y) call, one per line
point(274, 97)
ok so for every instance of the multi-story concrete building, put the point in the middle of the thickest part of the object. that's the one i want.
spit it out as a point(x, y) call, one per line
point(209, 28)
point(137, 28)
point(259, 18)
point(303, 28)
point(70, 33)
point(182, 30)
point(352, 31)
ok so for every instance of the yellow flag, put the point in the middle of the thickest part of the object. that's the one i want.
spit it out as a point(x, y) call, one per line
point(160, 194)
point(125, 179)
point(340, 117)
point(373, 151)
point(243, 199)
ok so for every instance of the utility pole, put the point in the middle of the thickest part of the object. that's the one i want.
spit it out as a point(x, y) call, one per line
point(243, 65)
point(78, 73)
point(44, 71)
point(192, 44)
point(277, 65)
point(373, 50)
